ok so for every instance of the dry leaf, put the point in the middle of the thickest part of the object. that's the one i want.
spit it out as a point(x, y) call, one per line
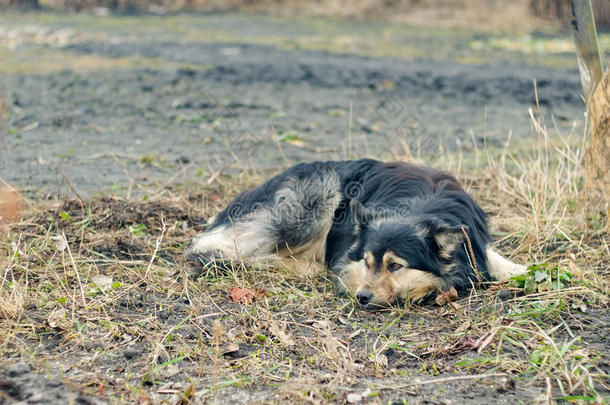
point(246, 295)
point(57, 319)
point(463, 327)
point(381, 360)
point(444, 297)
point(355, 333)
point(60, 242)
point(104, 283)
point(229, 348)
point(284, 336)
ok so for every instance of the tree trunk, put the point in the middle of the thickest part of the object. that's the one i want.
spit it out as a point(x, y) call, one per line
point(597, 155)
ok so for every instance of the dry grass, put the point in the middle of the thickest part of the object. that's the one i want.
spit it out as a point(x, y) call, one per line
point(97, 291)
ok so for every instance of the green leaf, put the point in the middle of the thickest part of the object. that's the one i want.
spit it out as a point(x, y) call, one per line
point(577, 398)
point(138, 229)
point(530, 286)
point(287, 136)
point(65, 216)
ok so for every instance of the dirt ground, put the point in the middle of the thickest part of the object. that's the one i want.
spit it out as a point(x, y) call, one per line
point(162, 336)
point(127, 133)
point(111, 104)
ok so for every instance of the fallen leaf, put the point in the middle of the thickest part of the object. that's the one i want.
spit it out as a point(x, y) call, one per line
point(284, 336)
point(246, 295)
point(229, 348)
point(444, 297)
point(355, 333)
point(463, 327)
point(320, 324)
point(104, 283)
point(58, 319)
point(170, 371)
point(530, 286)
point(61, 242)
point(381, 360)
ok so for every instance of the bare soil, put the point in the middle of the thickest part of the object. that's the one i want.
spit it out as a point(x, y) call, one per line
point(160, 335)
point(211, 102)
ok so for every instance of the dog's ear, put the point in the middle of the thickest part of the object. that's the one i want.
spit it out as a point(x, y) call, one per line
point(445, 239)
point(362, 215)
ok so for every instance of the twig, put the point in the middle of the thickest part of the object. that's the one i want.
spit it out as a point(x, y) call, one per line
point(280, 148)
point(442, 380)
point(157, 244)
point(82, 291)
point(474, 260)
point(549, 391)
point(69, 184)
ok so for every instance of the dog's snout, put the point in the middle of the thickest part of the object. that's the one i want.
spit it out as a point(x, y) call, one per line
point(364, 297)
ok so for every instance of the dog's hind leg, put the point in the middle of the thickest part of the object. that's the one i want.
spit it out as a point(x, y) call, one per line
point(226, 244)
point(292, 224)
point(500, 268)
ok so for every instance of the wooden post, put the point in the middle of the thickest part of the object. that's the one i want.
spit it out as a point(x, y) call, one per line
point(587, 50)
point(597, 155)
point(596, 90)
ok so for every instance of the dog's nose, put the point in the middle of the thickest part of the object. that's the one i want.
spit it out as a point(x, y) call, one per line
point(364, 297)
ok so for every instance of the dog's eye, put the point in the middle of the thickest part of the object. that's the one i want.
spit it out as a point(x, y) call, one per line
point(394, 266)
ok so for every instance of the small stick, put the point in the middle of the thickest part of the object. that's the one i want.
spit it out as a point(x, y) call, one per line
point(443, 380)
point(157, 244)
point(82, 291)
point(474, 260)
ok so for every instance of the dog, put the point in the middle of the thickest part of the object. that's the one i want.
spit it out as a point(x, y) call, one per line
point(389, 232)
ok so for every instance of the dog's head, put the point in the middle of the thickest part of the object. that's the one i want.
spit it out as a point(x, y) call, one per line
point(398, 258)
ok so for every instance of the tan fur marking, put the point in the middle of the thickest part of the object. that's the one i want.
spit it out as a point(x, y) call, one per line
point(352, 276)
point(369, 260)
point(403, 284)
point(302, 267)
point(416, 284)
point(390, 257)
point(448, 244)
point(312, 250)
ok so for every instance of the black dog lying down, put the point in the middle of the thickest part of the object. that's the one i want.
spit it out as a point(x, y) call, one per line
point(388, 231)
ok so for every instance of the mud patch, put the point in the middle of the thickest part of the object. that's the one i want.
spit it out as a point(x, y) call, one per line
point(19, 383)
point(205, 106)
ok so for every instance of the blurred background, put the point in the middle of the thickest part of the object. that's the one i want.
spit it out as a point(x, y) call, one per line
point(113, 96)
point(499, 14)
